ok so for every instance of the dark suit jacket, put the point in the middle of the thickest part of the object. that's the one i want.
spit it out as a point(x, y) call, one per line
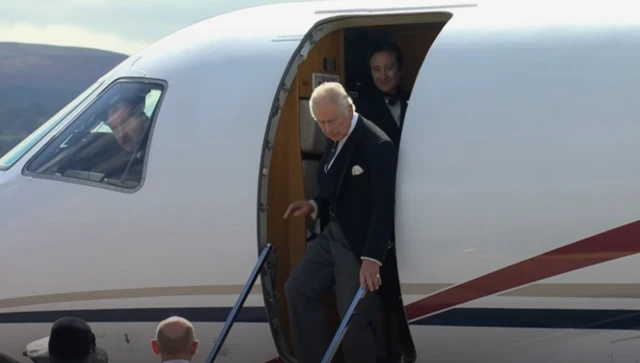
point(370, 103)
point(365, 203)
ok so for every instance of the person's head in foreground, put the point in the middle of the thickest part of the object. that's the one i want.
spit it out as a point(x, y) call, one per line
point(175, 339)
point(71, 341)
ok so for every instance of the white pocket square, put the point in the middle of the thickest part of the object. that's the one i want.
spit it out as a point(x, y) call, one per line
point(356, 170)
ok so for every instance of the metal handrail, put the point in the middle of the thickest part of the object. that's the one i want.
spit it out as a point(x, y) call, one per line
point(344, 325)
point(240, 302)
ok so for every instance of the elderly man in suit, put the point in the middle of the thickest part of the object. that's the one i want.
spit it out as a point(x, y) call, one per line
point(356, 204)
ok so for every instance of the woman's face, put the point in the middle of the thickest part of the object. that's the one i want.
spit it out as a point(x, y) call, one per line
point(385, 71)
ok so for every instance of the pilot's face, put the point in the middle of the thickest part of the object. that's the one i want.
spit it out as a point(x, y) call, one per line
point(385, 71)
point(118, 114)
point(333, 123)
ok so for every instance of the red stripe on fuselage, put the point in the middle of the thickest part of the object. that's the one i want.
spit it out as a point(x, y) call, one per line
point(607, 246)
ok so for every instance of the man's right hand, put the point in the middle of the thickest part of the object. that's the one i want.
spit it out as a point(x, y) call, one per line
point(300, 208)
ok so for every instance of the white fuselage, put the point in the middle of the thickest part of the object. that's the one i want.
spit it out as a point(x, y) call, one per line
point(520, 138)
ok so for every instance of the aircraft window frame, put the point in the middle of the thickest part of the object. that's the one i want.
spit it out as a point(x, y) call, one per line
point(28, 143)
point(158, 84)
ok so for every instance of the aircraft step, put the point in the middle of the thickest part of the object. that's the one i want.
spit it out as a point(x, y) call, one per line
point(233, 315)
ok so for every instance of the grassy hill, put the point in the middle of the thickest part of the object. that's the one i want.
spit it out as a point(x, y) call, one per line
point(38, 80)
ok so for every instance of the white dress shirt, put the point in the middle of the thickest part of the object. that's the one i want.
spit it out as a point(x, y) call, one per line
point(314, 214)
point(354, 120)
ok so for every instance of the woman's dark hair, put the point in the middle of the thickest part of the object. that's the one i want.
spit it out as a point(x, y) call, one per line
point(388, 48)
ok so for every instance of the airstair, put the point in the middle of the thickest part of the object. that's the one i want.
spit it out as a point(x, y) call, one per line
point(233, 315)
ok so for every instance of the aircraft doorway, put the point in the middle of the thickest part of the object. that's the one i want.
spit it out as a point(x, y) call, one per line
point(339, 53)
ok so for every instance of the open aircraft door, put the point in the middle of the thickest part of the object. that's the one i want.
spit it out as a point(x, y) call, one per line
point(427, 155)
point(318, 57)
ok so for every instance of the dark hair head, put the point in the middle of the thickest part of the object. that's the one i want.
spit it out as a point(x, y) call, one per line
point(71, 339)
point(128, 93)
point(387, 48)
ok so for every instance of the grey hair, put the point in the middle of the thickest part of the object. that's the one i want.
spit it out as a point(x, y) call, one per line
point(334, 92)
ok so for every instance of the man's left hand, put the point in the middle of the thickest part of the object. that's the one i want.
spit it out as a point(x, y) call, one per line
point(370, 275)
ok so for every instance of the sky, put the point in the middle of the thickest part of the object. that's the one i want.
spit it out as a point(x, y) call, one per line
point(126, 26)
point(123, 26)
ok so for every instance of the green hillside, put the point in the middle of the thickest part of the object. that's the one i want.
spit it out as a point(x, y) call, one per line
point(36, 81)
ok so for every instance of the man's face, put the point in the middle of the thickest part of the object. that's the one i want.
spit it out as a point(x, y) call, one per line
point(118, 114)
point(334, 124)
point(385, 71)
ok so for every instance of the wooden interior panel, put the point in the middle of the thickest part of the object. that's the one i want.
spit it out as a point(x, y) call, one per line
point(286, 186)
point(414, 44)
point(413, 40)
point(331, 45)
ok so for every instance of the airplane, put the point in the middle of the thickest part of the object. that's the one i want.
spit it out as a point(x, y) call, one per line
point(517, 217)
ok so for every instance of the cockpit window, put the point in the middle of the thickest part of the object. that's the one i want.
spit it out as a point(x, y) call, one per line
point(108, 141)
point(25, 145)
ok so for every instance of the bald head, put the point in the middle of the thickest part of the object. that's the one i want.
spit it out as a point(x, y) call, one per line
point(175, 339)
point(332, 108)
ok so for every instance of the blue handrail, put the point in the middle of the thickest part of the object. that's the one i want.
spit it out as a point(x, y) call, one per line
point(344, 325)
point(240, 302)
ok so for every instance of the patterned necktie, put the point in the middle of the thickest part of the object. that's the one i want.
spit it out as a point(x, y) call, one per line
point(332, 153)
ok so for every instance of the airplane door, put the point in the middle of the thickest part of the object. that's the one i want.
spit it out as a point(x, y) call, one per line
point(421, 220)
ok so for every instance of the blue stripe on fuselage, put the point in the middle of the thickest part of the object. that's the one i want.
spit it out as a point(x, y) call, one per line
point(460, 317)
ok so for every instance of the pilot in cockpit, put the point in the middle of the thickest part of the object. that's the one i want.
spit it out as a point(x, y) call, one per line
point(107, 141)
point(114, 154)
point(127, 120)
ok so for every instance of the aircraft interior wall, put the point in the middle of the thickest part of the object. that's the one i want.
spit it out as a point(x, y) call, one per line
point(299, 142)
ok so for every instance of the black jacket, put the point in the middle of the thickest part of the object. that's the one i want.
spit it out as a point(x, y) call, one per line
point(371, 104)
point(364, 203)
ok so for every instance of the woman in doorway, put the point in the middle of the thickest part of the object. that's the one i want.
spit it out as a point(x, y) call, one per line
point(383, 101)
